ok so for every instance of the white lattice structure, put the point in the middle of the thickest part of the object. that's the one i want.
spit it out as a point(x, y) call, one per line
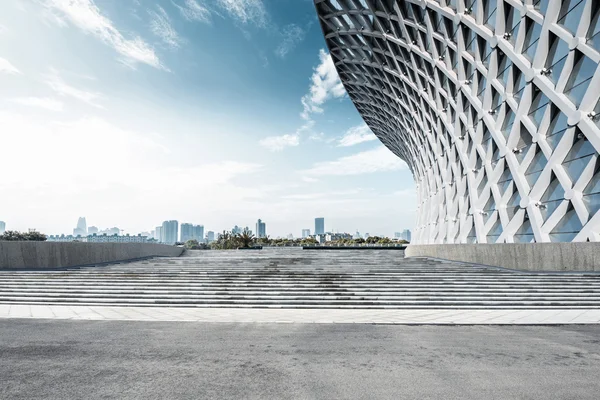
point(492, 103)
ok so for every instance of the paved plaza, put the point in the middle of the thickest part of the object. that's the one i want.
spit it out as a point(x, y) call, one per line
point(51, 359)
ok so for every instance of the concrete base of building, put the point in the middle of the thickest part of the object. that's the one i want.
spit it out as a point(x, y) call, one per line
point(557, 257)
point(52, 255)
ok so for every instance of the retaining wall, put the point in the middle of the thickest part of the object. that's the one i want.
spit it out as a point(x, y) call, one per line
point(583, 256)
point(47, 255)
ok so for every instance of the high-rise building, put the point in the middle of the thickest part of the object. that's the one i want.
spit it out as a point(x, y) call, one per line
point(158, 234)
point(319, 226)
point(210, 236)
point(397, 235)
point(92, 230)
point(198, 233)
point(2, 227)
point(187, 232)
point(494, 105)
point(261, 229)
point(405, 235)
point(305, 233)
point(169, 231)
point(236, 230)
point(81, 229)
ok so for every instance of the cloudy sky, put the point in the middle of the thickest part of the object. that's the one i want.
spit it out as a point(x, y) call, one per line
point(215, 112)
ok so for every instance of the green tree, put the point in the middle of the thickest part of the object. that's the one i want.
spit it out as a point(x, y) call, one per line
point(23, 236)
point(246, 238)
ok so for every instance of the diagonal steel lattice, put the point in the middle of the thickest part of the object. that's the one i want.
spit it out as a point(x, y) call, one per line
point(493, 104)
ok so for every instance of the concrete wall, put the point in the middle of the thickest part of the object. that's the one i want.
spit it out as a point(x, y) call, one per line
point(46, 255)
point(522, 256)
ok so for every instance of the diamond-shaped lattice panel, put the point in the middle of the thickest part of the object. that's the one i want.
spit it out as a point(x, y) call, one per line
point(493, 104)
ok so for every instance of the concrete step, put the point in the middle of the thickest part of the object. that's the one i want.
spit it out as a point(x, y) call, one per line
point(302, 302)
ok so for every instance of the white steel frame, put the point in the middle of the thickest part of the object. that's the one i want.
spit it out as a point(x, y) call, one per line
point(499, 128)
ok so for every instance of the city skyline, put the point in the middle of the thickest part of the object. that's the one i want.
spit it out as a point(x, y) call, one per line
point(273, 136)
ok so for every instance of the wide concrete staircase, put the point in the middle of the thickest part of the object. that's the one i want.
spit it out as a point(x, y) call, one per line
point(293, 278)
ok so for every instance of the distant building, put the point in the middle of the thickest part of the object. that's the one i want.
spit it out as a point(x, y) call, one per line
point(110, 232)
point(236, 230)
point(187, 232)
point(91, 230)
point(2, 227)
point(261, 229)
point(305, 233)
point(210, 236)
point(405, 235)
point(337, 236)
point(367, 235)
point(290, 236)
point(81, 229)
point(158, 234)
point(169, 231)
point(397, 235)
point(198, 233)
point(319, 226)
point(357, 235)
point(117, 239)
point(101, 239)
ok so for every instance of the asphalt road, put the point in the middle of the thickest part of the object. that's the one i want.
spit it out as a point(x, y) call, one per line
point(50, 359)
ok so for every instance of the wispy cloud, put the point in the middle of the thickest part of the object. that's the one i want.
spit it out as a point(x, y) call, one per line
point(325, 85)
point(160, 25)
point(42, 102)
point(246, 11)
point(292, 35)
point(85, 15)
point(7, 68)
point(192, 10)
point(57, 84)
point(355, 135)
point(278, 143)
point(376, 160)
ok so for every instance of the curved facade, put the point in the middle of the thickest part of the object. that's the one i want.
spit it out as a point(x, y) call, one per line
point(493, 104)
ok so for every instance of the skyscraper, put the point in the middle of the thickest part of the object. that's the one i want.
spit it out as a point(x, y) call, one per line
point(319, 226)
point(92, 230)
point(406, 235)
point(2, 227)
point(210, 236)
point(305, 233)
point(236, 230)
point(198, 233)
point(187, 232)
point(261, 229)
point(158, 234)
point(169, 231)
point(81, 229)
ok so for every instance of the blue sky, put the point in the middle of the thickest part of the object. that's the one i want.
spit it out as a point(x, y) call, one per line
point(215, 112)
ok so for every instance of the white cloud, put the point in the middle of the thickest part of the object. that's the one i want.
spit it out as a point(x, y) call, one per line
point(92, 167)
point(161, 27)
point(292, 35)
point(309, 179)
point(325, 85)
point(86, 16)
point(194, 11)
point(377, 160)
point(355, 135)
point(47, 103)
point(63, 89)
point(245, 11)
point(278, 143)
point(7, 67)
